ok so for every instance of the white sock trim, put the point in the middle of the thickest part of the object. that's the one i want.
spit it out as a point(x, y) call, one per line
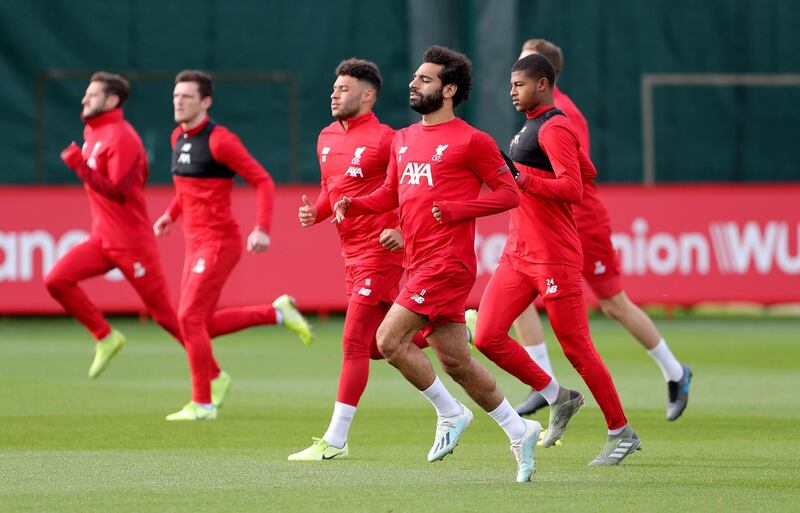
point(441, 399)
point(550, 392)
point(509, 420)
point(670, 367)
point(279, 318)
point(341, 419)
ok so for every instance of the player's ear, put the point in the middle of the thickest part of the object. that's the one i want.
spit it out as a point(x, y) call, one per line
point(206, 102)
point(449, 90)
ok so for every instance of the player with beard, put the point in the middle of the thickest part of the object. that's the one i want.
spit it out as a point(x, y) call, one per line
point(353, 154)
point(543, 257)
point(600, 270)
point(436, 170)
point(206, 157)
point(113, 168)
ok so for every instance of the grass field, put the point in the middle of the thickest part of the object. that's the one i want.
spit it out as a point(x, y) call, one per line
point(68, 444)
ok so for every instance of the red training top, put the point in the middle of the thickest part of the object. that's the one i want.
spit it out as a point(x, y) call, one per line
point(542, 229)
point(114, 175)
point(205, 201)
point(353, 162)
point(441, 165)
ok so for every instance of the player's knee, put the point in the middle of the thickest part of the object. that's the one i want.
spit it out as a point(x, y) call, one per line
point(455, 366)
point(355, 349)
point(486, 338)
point(388, 341)
point(614, 308)
point(55, 283)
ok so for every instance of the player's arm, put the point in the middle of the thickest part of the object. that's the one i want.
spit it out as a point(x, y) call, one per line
point(163, 224)
point(561, 146)
point(487, 162)
point(392, 239)
point(121, 174)
point(228, 150)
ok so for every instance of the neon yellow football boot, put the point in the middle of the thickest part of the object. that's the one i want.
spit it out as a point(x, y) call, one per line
point(320, 450)
point(193, 411)
point(219, 388)
point(293, 319)
point(104, 350)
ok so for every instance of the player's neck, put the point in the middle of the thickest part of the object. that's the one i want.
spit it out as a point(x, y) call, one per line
point(438, 117)
point(194, 122)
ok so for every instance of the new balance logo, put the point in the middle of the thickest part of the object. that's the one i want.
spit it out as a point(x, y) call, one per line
point(138, 270)
point(400, 152)
point(365, 291)
point(200, 266)
point(92, 162)
point(552, 288)
point(325, 152)
point(599, 268)
point(415, 171)
point(354, 172)
point(419, 298)
point(357, 157)
point(439, 152)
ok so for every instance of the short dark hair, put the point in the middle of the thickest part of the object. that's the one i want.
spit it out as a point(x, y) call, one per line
point(536, 66)
point(205, 84)
point(113, 84)
point(457, 70)
point(361, 70)
point(549, 50)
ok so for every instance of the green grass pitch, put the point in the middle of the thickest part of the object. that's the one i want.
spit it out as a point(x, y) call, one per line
point(68, 444)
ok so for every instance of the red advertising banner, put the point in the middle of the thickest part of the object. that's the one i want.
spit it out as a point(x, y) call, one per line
point(677, 245)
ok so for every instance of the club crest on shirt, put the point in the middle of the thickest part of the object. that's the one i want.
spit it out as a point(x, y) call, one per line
point(325, 152)
point(437, 157)
point(92, 161)
point(357, 156)
point(599, 268)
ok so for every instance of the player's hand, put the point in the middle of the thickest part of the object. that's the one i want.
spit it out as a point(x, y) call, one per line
point(437, 213)
point(340, 208)
point(258, 241)
point(307, 213)
point(162, 226)
point(71, 155)
point(391, 239)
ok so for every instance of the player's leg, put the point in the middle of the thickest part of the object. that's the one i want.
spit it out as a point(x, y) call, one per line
point(81, 262)
point(282, 311)
point(528, 328)
point(570, 323)
point(678, 376)
point(209, 268)
point(86, 260)
point(447, 341)
point(507, 294)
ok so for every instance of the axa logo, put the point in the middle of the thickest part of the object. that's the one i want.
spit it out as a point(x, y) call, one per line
point(418, 298)
point(416, 171)
point(400, 152)
point(185, 158)
point(357, 156)
point(552, 288)
point(354, 171)
point(325, 152)
point(437, 157)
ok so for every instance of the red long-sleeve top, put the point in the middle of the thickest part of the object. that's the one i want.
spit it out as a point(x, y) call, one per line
point(442, 165)
point(353, 162)
point(542, 229)
point(114, 172)
point(205, 203)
